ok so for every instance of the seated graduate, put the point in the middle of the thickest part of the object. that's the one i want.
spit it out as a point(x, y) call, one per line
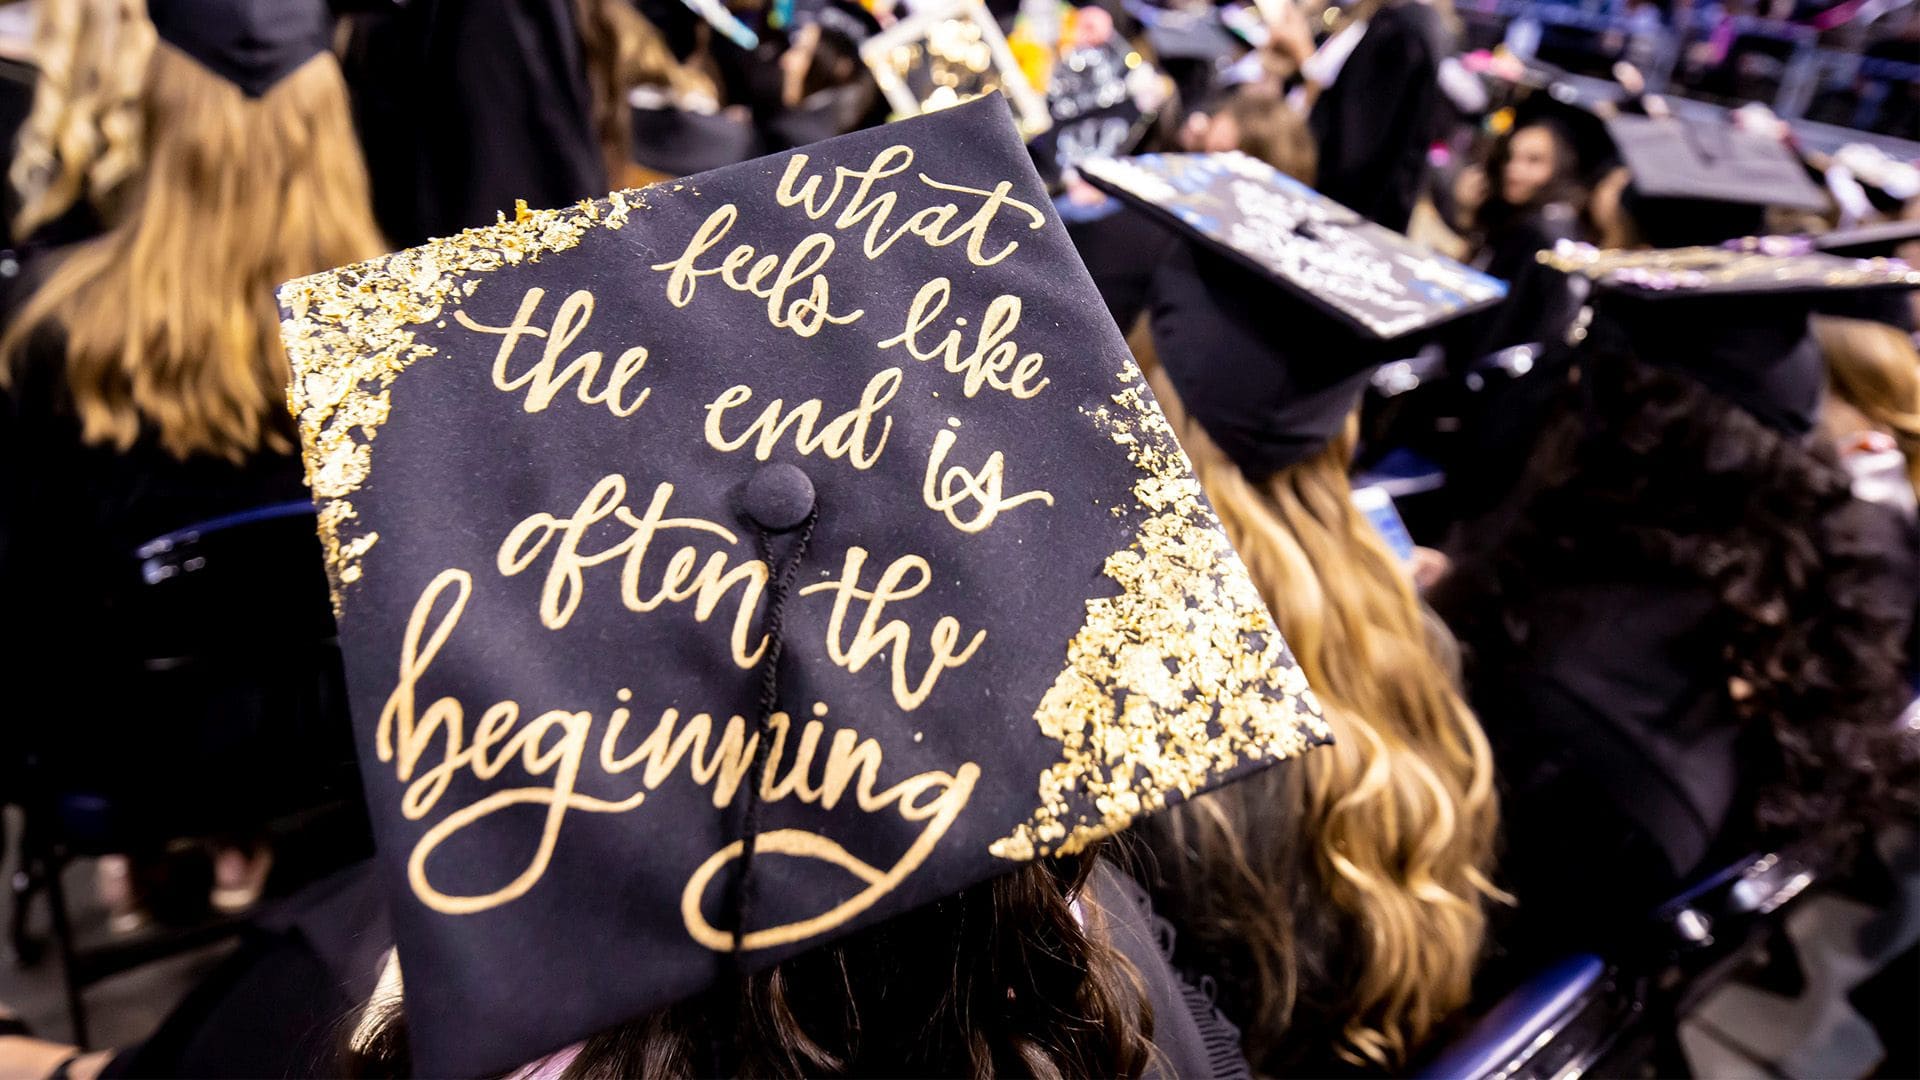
point(1533, 201)
point(1871, 412)
point(1684, 182)
point(1684, 634)
point(1338, 903)
point(1872, 409)
point(144, 378)
point(756, 703)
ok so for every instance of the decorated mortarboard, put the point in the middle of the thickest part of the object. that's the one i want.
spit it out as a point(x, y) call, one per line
point(1101, 96)
point(1703, 180)
point(1373, 279)
point(252, 44)
point(1272, 315)
point(946, 53)
point(1732, 316)
point(1757, 267)
point(827, 468)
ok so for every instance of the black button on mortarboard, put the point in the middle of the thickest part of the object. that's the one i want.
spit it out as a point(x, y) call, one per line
point(779, 497)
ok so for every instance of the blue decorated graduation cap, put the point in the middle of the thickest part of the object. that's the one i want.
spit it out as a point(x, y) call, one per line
point(821, 481)
point(1274, 311)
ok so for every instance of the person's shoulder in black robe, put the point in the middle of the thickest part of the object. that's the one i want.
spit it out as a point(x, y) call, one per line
point(465, 106)
point(1374, 124)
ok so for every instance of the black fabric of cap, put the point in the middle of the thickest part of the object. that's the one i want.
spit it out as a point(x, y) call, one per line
point(1278, 303)
point(1877, 241)
point(252, 44)
point(1880, 240)
point(1755, 351)
point(1697, 182)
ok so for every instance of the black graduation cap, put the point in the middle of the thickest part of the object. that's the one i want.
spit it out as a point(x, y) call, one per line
point(1273, 314)
point(1092, 100)
point(1363, 274)
point(1882, 240)
point(578, 473)
point(1733, 317)
point(1186, 34)
point(251, 43)
point(1698, 181)
point(678, 142)
point(1879, 240)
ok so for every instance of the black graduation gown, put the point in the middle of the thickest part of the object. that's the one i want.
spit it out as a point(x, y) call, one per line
point(1325, 958)
point(1541, 302)
point(467, 105)
point(283, 1003)
point(1193, 1037)
point(71, 517)
point(1620, 759)
point(1373, 125)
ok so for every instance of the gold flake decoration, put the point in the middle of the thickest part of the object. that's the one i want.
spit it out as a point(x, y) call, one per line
point(1757, 265)
point(350, 332)
point(1175, 681)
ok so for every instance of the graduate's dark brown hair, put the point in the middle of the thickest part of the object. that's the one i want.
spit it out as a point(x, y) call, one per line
point(169, 317)
point(1647, 472)
point(999, 980)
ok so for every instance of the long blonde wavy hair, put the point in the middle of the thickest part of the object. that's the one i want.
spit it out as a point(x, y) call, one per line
point(1875, 368)
point(1393, 826)
point(82, 138)
point(169, 318)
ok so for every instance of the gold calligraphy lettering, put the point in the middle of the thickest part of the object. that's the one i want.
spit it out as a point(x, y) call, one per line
point(957, 485)
point(844, 436)
point(804, 315)
point(871, 638)
point(572, 318)
point(994, 353)
point(932, 799)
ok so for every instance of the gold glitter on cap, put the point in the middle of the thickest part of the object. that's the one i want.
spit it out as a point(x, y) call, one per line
point(1174, 682)
point(350, 332)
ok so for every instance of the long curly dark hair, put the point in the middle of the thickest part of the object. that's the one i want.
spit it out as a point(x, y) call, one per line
point(1646, 475)
point(999, 980)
